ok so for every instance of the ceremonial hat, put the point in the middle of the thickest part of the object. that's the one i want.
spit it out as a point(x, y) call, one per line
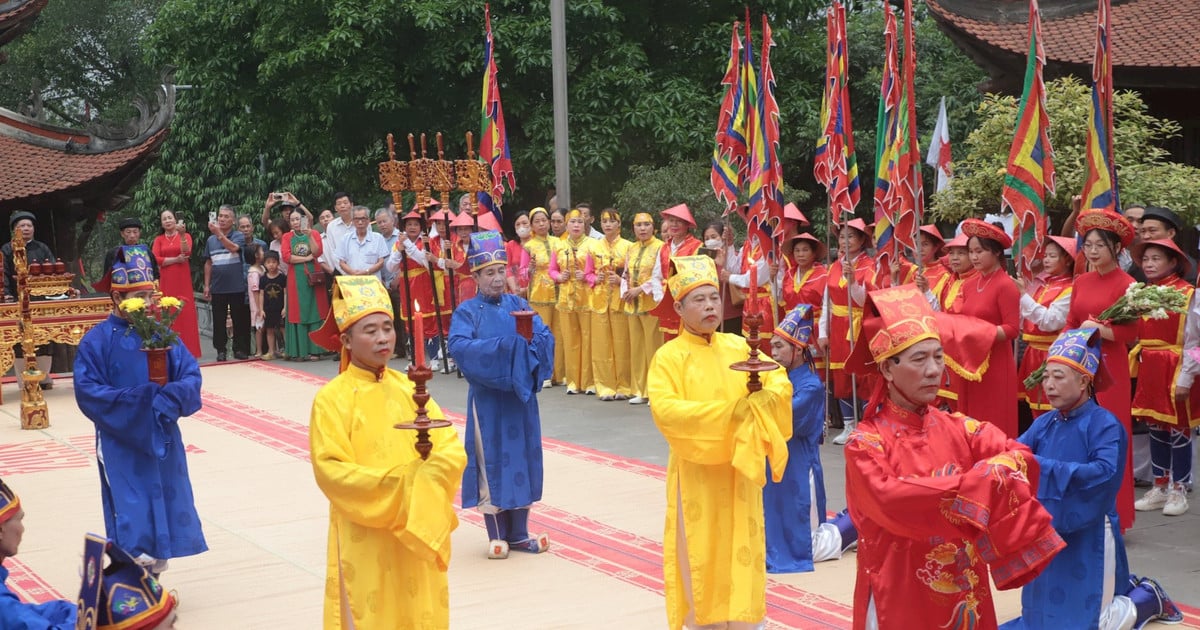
point(818, 247)
point(692, 272)
point(796, 327)
point(354, 297)
point(413, 215)
point(792, 213)
point(431, 203)
point(463, 220)
point(960, 240)
point(1067, 244)
point(122, 595)
point(10, 504)
point(982, 229)
point(539, 210)
point(573, 214)
point(861, 226)
point(643, 217)
point(131, 271)
point(1107, 220)
point(18, 216)
point(487, 221)
point(1166, 215)
point(129, 222)
point(680, 212)
point(1185, 265)
point(441, 215)
point(1078, 349)
point(932, 232)
point(897, 318)
point(486, 249)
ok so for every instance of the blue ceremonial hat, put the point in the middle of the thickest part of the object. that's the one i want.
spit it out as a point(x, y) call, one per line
point(1078, 349)
point(122, 595)
point(796, 327)
point(131, 270)
point(485, 249)
point(9, 503)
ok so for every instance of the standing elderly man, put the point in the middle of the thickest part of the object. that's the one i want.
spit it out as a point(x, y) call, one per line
point(225, 284)
point(938, 498)
point(339, 227)
point(721, 436)
point(505, 371)
point(364, 251)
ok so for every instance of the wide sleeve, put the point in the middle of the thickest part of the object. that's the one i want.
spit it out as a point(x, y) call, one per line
point(124, 414)
point(1050, 318)
point(181, 396)
point(553, 269)
point(435, 483)
point(1069, 490)
point(699, 431)
point(763, 429)
point(808, 409)
point(370, 496)
point(505, 363)
point(17, 615)
point(589, 268)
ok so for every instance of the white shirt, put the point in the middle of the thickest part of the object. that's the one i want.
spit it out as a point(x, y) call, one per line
point(1191, 338)
point(335, 233)
point(362, 253)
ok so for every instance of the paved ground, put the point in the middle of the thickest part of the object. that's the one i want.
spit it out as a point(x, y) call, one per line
point(1167, 548)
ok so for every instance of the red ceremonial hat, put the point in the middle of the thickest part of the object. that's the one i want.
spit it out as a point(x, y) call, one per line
point(1097, 219)
point(441, 215)
point(432, 202)
point(680, 212)
point(463, 220)
point(1067, 245)
point(934, 233)
point(792, 213)
point(959, 240)
point(412, 215)
point(487, 222)
point(818, 247)
point(1185, 265)
point(983, 229)
point(861, 226)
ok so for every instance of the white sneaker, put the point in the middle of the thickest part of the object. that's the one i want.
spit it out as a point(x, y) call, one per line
point(845, 434)
point(1177, 503)
point(546, 384)
point(638, 400)
point(1153, 500)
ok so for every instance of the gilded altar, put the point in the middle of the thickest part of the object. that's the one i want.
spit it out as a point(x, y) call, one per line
point(60, 321)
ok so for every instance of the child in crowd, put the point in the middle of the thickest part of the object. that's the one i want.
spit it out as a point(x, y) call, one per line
point(254, 292)
point(273, 302)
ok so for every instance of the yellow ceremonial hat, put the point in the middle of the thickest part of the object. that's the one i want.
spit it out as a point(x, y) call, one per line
point(354, 297)
point(692, 272)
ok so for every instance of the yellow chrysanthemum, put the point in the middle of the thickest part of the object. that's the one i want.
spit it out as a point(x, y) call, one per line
point(169, 302)
point(133, 305)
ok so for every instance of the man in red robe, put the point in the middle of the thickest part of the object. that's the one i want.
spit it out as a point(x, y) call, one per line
point(939, 499)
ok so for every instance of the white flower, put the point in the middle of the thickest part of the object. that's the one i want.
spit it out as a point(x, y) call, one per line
point(1158, 313)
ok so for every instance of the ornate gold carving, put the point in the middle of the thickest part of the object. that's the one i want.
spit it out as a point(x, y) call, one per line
point(47, 285)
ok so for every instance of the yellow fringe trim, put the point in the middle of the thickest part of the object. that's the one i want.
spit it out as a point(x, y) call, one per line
point(975, 376)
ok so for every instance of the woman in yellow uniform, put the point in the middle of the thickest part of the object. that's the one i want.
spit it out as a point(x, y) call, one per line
point(567, 269)
point(610, 332)
point(543, 290)
point(637, 291)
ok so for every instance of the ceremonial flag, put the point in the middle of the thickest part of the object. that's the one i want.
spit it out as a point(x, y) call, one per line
point(493, 141)
point(766, 175)
point(835, 166)
point(1100, 186)
point(938, 156)
point(907, 192)
point(729, 148)
point(1030, 173)
point(885, 140)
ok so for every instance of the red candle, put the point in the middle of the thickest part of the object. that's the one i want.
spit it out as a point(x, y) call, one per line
point(752, 307)
point(418, 336)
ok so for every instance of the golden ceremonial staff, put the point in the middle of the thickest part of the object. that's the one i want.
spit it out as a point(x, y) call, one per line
point(444, 182)
point(424, 170)
point(393, 177)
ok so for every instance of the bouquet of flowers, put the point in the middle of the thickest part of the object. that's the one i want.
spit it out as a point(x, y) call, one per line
point(1142, 300)
point(152, 320)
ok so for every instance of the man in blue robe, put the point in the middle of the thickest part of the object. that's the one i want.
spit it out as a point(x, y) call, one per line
point(55, 614)
point(792, 506)
point(505, 371)
point(1080, 448)
point(144, 484)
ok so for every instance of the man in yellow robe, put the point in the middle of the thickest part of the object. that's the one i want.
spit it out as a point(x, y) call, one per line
point(387, 560)
point(714, 553)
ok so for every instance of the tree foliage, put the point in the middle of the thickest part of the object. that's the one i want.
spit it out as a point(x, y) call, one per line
point(1144, 175)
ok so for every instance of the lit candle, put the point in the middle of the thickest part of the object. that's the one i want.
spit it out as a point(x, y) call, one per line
point(418, 335)
point(752, 307)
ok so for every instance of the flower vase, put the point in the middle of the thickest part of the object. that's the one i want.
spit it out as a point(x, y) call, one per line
point(156, 363)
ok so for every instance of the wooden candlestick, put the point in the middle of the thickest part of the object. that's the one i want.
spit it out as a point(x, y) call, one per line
point(419, 375)
point(753, 364)
point(524, 323)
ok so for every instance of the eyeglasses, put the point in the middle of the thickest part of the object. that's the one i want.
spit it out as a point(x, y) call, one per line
point(1095, 246)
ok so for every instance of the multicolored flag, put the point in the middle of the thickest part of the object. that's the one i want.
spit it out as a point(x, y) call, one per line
point(906, 197)
point(493, 140)
point(729, 148)
point(766, 173)
point(885, 141)
point(938, 156)
point(835, 165)
point(1100, 186)
point(1030, 172)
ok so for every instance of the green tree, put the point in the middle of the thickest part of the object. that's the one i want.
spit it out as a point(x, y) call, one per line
point(1144, 175)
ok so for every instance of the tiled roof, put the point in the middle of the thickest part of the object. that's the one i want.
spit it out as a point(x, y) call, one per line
point(32, 169)
point(1146, 33)
point(16, 14)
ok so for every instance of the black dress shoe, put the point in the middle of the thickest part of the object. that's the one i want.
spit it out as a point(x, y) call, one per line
point(241, 356)
point(221, 356)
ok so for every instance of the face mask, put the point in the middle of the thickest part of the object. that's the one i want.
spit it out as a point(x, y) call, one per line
point(523, 232)
point(713, 243)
